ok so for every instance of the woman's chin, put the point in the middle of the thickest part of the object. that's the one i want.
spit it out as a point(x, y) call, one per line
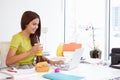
point(32, 32)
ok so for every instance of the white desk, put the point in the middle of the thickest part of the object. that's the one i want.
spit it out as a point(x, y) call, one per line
point(89, 71)
point(95, 72)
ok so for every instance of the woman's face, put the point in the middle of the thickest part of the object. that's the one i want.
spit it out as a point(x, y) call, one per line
point(32, 26)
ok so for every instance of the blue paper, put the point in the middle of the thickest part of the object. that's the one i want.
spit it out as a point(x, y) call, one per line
point(61, 76)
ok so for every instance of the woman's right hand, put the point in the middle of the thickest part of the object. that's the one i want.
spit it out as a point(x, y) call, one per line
point(36, 48)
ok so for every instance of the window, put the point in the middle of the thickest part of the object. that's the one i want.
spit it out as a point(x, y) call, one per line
point(114, 24)
point(81, 14)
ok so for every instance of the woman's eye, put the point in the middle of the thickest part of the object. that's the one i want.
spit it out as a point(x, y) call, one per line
point(35, 24)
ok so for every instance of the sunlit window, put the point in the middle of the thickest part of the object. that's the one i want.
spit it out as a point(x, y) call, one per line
point(81, 14)
point(115, 24)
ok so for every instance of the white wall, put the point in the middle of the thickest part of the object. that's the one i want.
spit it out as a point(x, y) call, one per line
point(50, 11)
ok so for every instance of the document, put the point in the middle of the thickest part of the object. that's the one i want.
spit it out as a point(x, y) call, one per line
point(5, 76)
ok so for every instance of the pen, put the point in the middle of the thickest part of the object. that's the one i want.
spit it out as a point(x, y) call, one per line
point(12, 71)
point(7, 78)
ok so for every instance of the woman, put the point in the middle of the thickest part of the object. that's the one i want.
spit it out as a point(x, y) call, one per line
point(22, 47)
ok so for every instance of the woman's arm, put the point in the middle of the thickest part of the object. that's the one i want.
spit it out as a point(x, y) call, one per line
point(53, 62)
point(12, 58)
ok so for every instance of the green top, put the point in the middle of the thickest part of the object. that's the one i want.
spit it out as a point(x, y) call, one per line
point(22, 44)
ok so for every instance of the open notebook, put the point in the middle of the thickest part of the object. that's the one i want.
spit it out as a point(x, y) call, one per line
point(73, 62)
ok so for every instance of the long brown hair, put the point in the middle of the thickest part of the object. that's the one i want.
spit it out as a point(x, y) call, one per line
point(27, 17)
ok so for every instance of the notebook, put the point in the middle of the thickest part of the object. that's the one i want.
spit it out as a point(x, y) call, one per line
point(73, 62)
point(62, 76)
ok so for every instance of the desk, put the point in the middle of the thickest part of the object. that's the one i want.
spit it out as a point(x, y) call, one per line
point(89, 71)
point(95, 72)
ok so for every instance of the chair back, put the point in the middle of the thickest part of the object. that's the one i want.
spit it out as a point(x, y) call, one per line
point(4, 47)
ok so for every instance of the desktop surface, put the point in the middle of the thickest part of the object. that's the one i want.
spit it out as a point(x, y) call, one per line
point(88, 71)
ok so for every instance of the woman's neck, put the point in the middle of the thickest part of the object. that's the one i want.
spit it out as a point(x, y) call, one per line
point(26, 34)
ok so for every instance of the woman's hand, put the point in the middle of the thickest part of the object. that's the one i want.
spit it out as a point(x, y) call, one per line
point(56, 62)
point(36, 48)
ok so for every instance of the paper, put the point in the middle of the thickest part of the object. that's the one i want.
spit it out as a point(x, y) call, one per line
point(26, 71)
point(24, 78)
point(5, 76)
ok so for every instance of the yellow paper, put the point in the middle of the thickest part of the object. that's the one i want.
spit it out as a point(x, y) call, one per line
point(60, 50)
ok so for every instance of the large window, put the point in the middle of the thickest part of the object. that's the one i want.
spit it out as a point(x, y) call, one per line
point(114, 24)
point(80, 14)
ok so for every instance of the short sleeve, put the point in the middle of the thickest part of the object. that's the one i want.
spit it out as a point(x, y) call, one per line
point(15, 42)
